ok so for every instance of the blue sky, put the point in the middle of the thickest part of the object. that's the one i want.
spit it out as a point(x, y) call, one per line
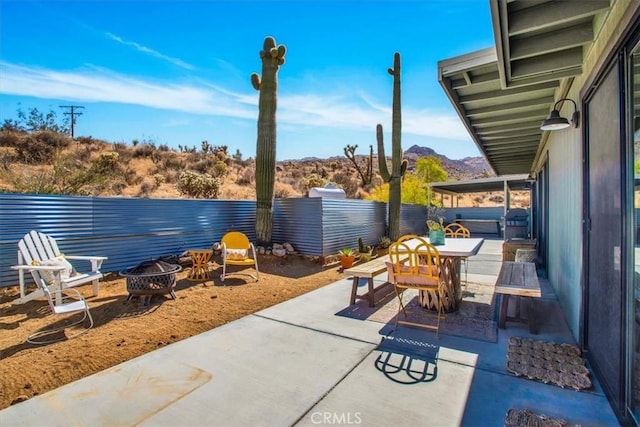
point(177, 72)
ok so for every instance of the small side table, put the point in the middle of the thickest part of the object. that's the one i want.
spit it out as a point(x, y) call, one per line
point(200, 268)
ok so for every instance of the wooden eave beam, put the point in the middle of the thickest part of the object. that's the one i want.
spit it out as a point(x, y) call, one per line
point(551, 41)
point(552, 14)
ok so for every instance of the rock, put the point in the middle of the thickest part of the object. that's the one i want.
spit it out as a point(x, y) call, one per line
point(288, 247)
point(279, 251)
point(277, 246)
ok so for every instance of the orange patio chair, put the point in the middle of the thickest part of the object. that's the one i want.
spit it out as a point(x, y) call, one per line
point(420, 271)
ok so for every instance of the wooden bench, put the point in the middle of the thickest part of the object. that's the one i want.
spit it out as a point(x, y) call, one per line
point(367, 270)
point(518, 279)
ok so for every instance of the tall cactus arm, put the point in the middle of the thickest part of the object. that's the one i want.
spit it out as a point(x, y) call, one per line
point(382, 159)
point(255, 81)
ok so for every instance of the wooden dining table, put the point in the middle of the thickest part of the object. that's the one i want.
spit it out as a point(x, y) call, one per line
point(451, 253)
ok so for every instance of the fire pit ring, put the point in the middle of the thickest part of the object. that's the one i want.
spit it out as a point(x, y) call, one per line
point(151, 277)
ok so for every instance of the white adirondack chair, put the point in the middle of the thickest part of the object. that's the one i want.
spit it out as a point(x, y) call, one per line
point(37, 249)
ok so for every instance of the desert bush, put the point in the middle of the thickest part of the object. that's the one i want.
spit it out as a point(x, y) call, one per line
point(173, 161)
point(120, 147)
point(84, 139)
point(200, 186)
point(10, 138)
point(106, 163)
point(159, 179)
point(202, 165)
point(219, 168)
point(146, 187)
point(34, 151)
point(347, 183)
point(497, 198)
point(53, 138)
point(171, 176)
point(144, 150)
point(7, 157)
point(247, 177)
point(313, 180)
point(282, 191)
point(163, 147)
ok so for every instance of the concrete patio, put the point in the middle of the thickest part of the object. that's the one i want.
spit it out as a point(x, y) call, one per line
point(298, 363)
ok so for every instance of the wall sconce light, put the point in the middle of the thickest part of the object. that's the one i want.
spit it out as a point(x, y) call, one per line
point(555, 122)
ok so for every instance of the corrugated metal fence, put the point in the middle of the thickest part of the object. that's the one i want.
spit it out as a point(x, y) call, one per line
point(130, 230)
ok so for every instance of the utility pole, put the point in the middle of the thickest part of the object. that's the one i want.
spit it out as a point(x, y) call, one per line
point(73, 113)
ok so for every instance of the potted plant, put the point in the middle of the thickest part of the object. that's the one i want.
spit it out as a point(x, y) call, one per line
point(383, 245)
point(435, 223)
point(366, 251)
point(347, 257)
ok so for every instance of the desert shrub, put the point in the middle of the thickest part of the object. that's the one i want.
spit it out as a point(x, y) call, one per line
point(247, 177)
point(159, 179)
point(289, 181)
point(282, 191)
point(163, 147)
point(202, 165)
point(9, 138)
point(125, 155)
point(497, 198)
point(144, 150)
point(172, 161)
point(171, 176)
point(34, 151)
point(84, 139)
point(313, 180)
point(146, 187)
point(118, 187)
point(106, 163)
point(200, 186)
point(120, 146)
point(347, 183)
point(219, 168)
point(7, 156)
point(54, 139)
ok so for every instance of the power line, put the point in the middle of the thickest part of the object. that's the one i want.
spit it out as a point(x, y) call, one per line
point(73, 113)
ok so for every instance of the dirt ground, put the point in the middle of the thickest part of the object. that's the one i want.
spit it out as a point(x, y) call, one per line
point(124, 329)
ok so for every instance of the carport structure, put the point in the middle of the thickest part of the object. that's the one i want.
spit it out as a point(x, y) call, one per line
point(505, 183)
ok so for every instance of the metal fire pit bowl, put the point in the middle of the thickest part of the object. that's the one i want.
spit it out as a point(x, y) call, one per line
point(151, 277)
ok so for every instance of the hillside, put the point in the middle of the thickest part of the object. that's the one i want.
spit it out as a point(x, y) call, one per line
point(52, 163)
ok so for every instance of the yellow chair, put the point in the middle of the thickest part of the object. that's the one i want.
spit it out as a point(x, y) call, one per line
point(455, 231)
point(420, 271)
point(236, 250)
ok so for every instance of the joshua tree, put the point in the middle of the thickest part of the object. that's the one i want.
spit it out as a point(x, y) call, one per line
point(366, 176)
point(398, 166)
point(272, 58)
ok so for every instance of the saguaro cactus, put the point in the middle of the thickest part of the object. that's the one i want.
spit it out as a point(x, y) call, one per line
point(398, 166)
point(272, 58)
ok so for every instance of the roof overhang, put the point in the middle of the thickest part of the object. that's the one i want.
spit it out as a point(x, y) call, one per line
point(483, 185)
point(503, 94)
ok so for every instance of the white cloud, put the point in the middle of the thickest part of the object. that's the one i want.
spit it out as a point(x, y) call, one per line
point(341, 111)
point(149, 51)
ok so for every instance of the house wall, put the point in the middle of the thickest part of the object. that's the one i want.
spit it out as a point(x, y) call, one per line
point(564, 264)
point(565, 153)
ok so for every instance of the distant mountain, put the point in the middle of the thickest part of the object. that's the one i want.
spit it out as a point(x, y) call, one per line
point(467, 168)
